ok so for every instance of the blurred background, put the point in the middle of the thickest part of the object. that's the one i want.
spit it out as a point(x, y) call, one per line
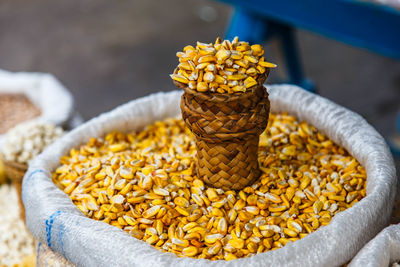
point(109, 52)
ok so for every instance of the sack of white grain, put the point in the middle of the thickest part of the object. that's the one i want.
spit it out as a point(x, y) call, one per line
point(52, 102)
point(23, 143)
point(56, 221)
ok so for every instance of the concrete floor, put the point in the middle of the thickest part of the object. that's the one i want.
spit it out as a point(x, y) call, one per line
point(109, 52)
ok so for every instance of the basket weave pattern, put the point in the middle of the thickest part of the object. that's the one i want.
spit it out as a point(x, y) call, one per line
point(227, 129)
point(15, 172)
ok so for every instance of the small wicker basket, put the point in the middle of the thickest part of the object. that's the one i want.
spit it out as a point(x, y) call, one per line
point(227, 129)
point(15, 172)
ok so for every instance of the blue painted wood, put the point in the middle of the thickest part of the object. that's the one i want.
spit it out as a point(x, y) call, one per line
point(257, 29)
point(248, 26)
point(358, 24)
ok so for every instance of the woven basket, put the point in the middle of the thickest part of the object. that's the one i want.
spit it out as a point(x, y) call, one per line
point(15, 172)
point(227, 129)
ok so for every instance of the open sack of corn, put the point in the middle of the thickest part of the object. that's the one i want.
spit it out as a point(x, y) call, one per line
point(61, 224)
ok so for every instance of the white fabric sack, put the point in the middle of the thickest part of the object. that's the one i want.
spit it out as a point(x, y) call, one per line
point(383, 250)
point(44, 91)
point(53, 218)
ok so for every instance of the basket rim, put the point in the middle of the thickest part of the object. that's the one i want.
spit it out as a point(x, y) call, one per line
point(224, 97)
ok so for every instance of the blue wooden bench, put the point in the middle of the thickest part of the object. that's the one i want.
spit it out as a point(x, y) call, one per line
point(362, 24)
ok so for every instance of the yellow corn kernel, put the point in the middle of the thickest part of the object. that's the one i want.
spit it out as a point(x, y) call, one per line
point(232, 215)
point(290, 193)
point(277, 208)
point(267, 242)
point(190, 251)
point(222, 227)
point(135, 200)
point(185, 66)
point(260, 69)
point(151, 211)
point(180, 242)
point(251, 71)
point(179, 78)
point(229, 256)
point(126, 173)
point(262, 204)
point(252, 247)
point(118, 147)
point(337, 198)
point(267, 64)
point(251, 59)
point(182, 211)
point(237, 243)
point(145, 221)
point(252, 200)
point(214, 249)
point(209, 77)
point(202, 86)
point(285, 200)
point(257, 49)
point(212, 194)
point(236, 77)
point(211, 239)
point(239, 88)
point(160, 191)
point(317, 206)
point(152, 239)
point(69, 188)
point(182, 202)
point(127, 188)
point(290, 232)
point(252, 209)
point(207, 58)
point(292, 225)
point(222, 55)
point(250, 82)
point(243, 47)
point(273, 197)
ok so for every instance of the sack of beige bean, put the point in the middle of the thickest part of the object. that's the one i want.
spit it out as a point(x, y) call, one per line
point(121, 189)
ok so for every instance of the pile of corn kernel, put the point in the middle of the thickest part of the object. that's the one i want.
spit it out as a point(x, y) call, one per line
point(145, 184)
point(223, 67)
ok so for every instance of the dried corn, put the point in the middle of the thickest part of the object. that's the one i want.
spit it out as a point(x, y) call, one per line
point(223, 67)
point(149, 189)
